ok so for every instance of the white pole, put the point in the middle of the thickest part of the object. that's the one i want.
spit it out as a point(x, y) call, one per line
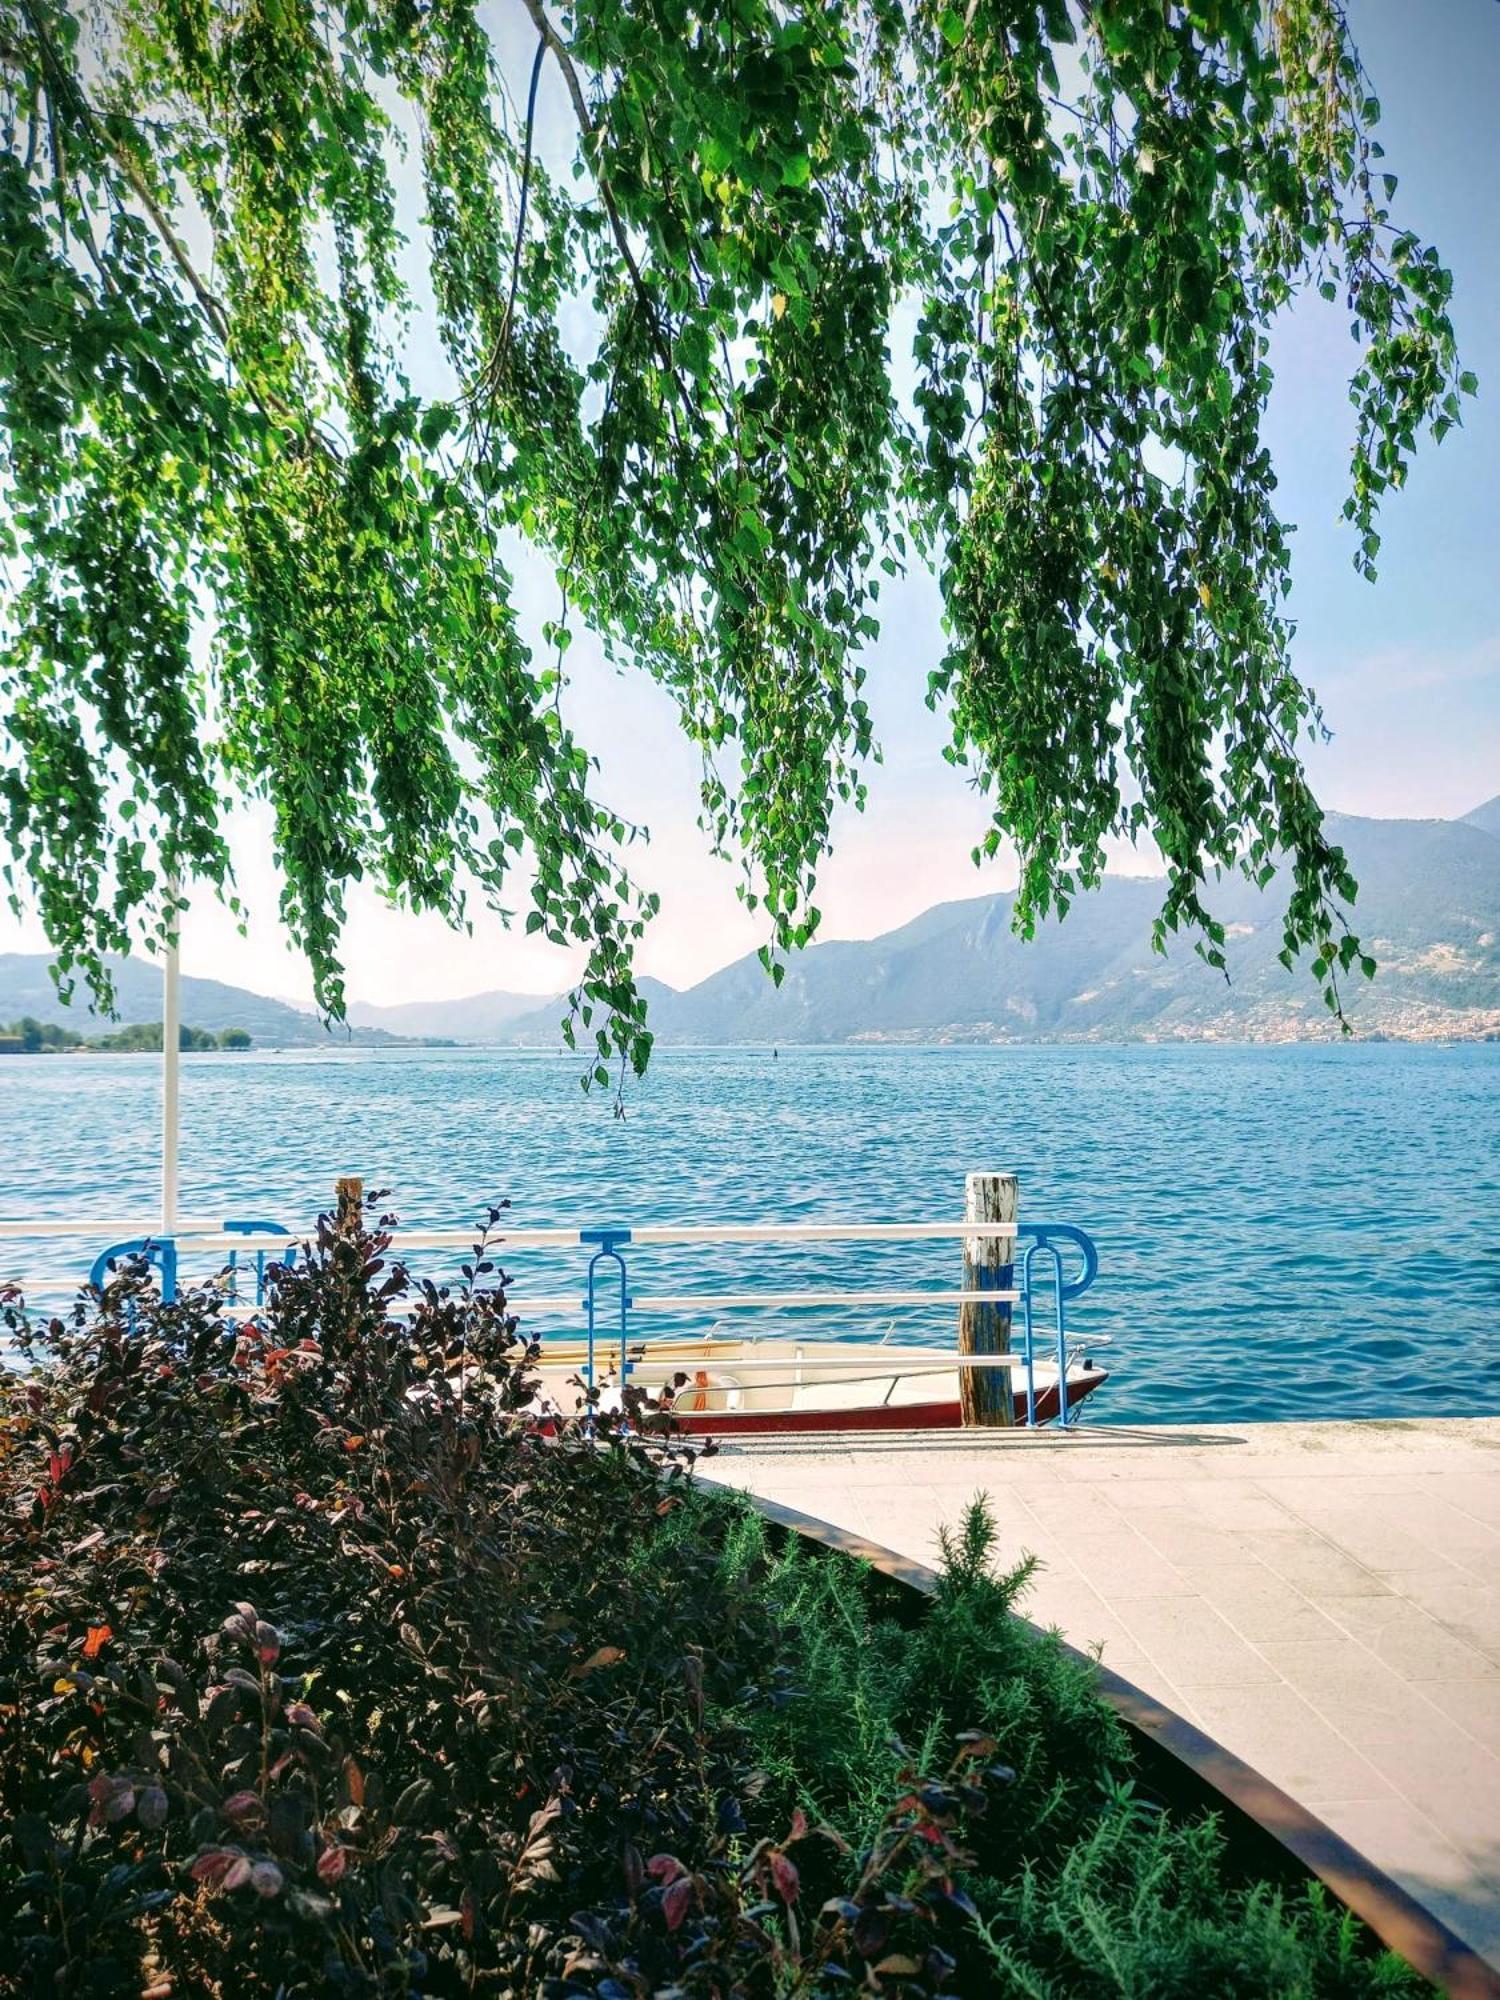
point(171, 1021)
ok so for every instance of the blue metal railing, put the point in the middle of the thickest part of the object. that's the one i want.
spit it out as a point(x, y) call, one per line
point(1044, 1265)
point(161, 1252)
point(1044, 1239)
point(262, 1257)
point(156, 1250)
point(607, 1252)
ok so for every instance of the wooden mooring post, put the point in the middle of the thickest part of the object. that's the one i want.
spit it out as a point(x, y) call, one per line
point(348, 1203)
point(989, 1265)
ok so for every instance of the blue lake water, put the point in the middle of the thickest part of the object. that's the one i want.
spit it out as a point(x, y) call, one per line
point(1304, 1231)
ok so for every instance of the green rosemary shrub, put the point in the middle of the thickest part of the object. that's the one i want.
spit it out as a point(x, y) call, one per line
point(1081, 1882)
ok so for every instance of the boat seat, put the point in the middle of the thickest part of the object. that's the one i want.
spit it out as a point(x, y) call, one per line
point(707, 1389)
point(833, 1395)
point(928, 1387)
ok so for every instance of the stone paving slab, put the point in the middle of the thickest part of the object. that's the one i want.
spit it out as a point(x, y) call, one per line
point(1323, 1598)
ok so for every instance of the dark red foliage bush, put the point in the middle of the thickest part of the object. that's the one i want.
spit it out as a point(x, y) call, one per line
point(324, 1669)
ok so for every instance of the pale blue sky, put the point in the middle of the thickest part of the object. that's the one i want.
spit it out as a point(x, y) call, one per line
point(1408, 669)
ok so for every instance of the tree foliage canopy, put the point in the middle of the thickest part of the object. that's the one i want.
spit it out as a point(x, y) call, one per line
point(835, 286)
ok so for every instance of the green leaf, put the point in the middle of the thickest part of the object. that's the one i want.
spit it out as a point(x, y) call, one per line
point(240, 559)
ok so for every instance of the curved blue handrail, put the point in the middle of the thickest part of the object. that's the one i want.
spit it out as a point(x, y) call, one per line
point(605, 1243)
point(262, 1257)
point(1046, 1239)
point(160, 1251)
point(1046, 1235)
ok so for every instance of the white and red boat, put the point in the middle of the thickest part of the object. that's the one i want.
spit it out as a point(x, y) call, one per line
point(732, 1388)
point(775, 1384)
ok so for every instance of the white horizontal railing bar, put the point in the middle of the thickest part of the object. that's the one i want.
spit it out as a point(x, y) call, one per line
point(608, 1333)
point(814, 1232)
point(405, 1308)
point(859, 1367)
point(208, 1235)
point(230, 1309)
point(775, 1301)
point(12, 1230)
point(403, 1240)
point(922, 1364)
point(218, 1238)
point(212, 1235)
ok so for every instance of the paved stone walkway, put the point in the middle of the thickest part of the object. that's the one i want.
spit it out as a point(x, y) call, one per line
point(1324, 1599)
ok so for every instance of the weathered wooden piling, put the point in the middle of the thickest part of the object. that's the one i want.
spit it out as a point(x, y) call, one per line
point(348, 1203)
point(989, 1265)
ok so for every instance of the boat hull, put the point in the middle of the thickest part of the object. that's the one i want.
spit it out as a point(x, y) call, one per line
point(935, 1416)
point(768, 1388)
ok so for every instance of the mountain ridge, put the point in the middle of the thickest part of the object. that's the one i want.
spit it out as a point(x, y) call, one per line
point(1429, 910)
point(26, 988)
point(472, 1017)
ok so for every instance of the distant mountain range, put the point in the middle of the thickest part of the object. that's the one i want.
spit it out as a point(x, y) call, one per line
point(482, 1017)
point(1429, 911)
point(26, 988)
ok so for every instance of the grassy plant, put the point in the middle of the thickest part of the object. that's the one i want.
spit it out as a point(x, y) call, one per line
point(1081, 1884)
